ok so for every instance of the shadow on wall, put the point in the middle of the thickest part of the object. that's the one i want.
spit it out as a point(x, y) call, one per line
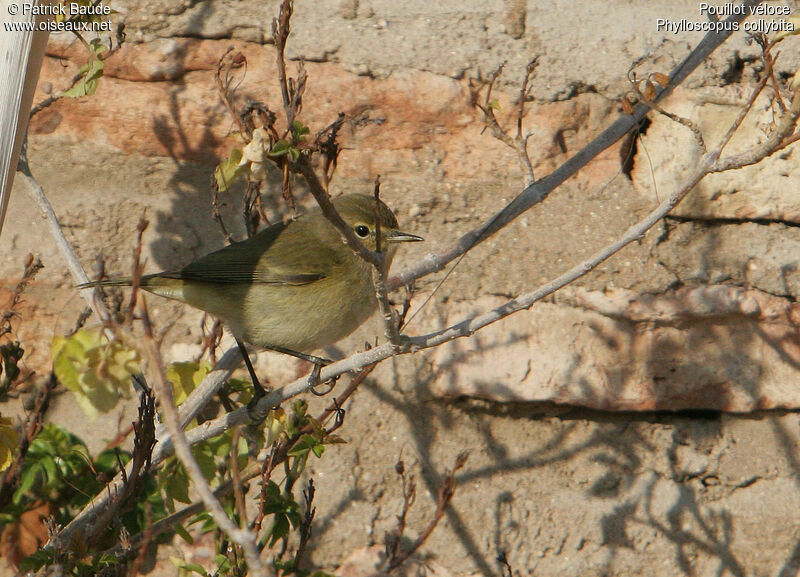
point(192, 185)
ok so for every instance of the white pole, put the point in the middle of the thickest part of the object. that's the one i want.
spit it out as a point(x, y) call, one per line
point(22, 50)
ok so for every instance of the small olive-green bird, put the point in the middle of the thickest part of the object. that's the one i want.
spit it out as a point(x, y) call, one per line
point(294, 287)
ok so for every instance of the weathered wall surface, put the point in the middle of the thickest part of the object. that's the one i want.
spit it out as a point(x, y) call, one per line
point(700, 314)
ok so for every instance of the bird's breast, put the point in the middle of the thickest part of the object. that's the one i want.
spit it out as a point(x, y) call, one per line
point(311, 316)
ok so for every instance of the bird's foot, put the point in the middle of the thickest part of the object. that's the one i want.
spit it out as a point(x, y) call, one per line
point(252, 407)
point(314, 378)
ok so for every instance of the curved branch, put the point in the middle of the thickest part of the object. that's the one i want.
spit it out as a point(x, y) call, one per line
point(541, 189)
point(530, 196)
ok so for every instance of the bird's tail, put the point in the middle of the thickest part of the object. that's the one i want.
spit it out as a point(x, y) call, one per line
point(123, 281)
point(158, 284)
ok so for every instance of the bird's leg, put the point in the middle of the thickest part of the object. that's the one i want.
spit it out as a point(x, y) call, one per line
point(258, 390)
point(318, 362)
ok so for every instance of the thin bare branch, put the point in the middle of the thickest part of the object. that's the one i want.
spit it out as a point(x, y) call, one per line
point(530, 196)
point(32, 267)
point(9, 481)
point(280, 33)
point(137, 268)
point(241, 536)
point(388, 314)
point(227, 84)
point(518, 142)
point(447, 489)
point(306, 523)
point(92, 294)
point(538, 191)
point(469, 326)
point(139, 466)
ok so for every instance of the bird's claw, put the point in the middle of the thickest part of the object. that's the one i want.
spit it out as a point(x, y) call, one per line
point(314, 380)
point(253, 412)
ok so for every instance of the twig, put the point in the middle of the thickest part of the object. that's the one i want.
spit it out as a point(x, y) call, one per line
point(446, 491)
point(538, 191)
point(305, 523)
point(143, 442)
point(32, 266)
point(766, 54)
point(90, 295)
point(79, 76)
point(280, 32)
point(253, 210)
point(236, 478)
point(390, 321)
point(224, 78)
point(518, 143)
point(392, 540)
point(272, 461)
point(530, 196)
point(241, 536)
point(336, 406)
point(216, 213)
point(698, 136)
point(33, 425)
point(137, 268)
point(211, 339)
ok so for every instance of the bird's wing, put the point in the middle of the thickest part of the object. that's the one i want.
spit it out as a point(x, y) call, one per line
point(250, 261)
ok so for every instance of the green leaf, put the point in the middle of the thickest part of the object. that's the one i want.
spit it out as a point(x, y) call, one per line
point(185, 568)
point(299, 130)
point(37, 560)
point(222, 562)
point(50, 470)
point(97, 370)
point(227, 170)
point(183, 533)
point(56, 461)
point(280, 148)
point(305, 444)
point(91, 72)
point(205, 459)
point(280, 528)
point(27, 480)
point(195, 568)
point(174, 482)
point(185, 377)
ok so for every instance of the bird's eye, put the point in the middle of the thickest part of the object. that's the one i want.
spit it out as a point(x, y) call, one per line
point(362, 231)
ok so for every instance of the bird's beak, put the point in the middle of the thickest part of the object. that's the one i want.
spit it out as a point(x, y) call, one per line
point(397, 236)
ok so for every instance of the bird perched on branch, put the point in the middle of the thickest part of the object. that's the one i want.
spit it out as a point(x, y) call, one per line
point(294, 287)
